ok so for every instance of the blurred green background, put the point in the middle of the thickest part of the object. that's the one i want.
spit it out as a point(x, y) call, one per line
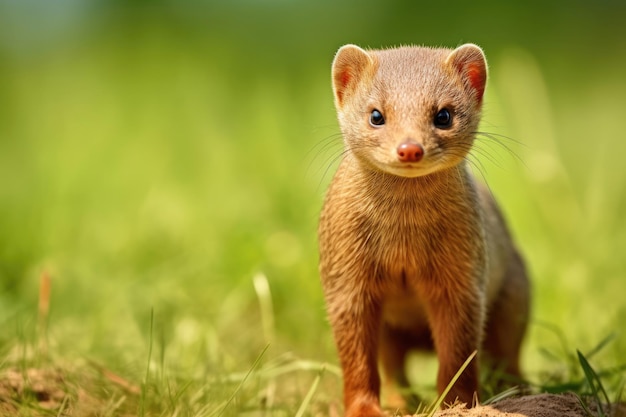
point(157, 155)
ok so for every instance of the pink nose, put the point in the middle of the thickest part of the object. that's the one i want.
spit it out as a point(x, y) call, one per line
point(410, 152)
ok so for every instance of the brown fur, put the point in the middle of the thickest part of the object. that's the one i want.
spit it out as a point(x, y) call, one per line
point(415, 254)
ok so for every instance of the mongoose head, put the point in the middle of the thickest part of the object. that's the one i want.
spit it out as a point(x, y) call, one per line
point(409, 111)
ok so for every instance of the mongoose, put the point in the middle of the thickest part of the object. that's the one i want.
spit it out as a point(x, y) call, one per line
point(414, 253)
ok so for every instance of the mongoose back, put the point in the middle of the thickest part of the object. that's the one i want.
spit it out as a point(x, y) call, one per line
point(413, 252)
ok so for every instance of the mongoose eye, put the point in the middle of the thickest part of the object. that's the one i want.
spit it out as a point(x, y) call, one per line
point(376, 118)
point(443, 119)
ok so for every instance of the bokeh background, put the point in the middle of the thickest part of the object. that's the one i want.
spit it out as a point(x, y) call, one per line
point(156, 156)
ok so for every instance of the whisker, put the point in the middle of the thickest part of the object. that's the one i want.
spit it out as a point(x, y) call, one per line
point(500, 136)
point(487, 155)
point(478, 165)
point(460, 178)
point(497, 139)
point(323, 147)
point(329, 159)
point(480, 171)
point(465, 153)
point(328, 144)
point(341, 155)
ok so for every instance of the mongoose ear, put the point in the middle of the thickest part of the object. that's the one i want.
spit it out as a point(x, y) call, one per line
point(349, 66)
point(469, 61)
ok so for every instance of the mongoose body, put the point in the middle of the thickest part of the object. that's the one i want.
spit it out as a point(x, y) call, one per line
point(413, 252)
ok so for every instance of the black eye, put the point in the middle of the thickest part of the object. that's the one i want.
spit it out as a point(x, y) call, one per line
point(376, 118)
point(443, 119)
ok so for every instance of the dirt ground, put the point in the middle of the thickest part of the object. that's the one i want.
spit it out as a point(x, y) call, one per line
point(539, 405)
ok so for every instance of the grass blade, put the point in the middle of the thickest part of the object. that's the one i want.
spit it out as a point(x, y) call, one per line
point(142, 405)
point(600, 345)
point(451, 384)
point(594, 383)
point(309, 394)
point(243, 381)
point(502, 395)
point(585, 408)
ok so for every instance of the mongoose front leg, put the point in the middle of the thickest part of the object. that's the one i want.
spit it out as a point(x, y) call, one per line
point(356, 329)
point(456, 324)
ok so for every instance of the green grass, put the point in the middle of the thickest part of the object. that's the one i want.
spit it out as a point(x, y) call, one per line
point(168, 176)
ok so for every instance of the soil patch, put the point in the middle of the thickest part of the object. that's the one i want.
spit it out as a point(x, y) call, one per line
point(45, 387)
point(539, 405)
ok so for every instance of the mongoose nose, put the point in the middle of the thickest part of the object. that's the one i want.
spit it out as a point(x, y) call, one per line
point(410, 152)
